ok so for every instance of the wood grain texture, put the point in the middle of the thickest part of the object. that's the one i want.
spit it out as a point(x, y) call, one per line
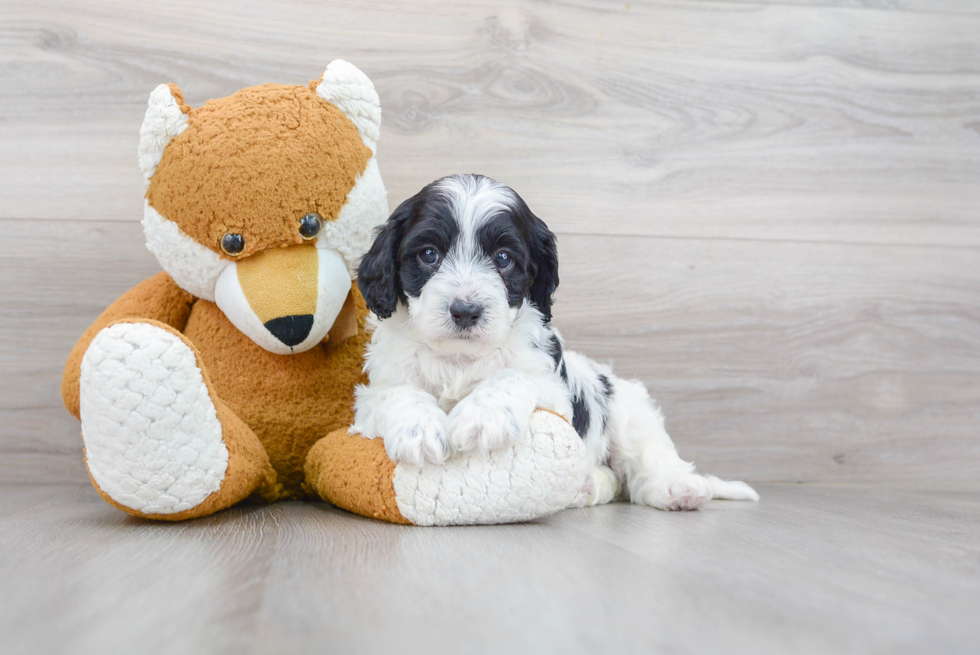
point(808, 570)
point(969, 7)
point(791, 361)
point(694, 119)
point(55, 279)
point(768, 211)
point(772, 361)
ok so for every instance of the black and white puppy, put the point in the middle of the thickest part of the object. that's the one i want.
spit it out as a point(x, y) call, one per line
point(461, 279)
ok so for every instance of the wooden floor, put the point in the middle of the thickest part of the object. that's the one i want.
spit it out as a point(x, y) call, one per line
point(767, 210)
point(810, 569)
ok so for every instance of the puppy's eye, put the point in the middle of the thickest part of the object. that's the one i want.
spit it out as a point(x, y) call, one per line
point(309, 226)
point(429, 256)
point(503, 260)
point(233, 244)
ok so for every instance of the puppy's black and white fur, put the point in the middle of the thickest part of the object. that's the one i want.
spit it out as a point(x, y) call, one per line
point(461, 279)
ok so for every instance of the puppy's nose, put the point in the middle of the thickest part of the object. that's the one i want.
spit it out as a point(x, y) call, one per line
point(465, 314)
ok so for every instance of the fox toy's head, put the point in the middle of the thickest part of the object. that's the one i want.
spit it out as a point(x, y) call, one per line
point(265, 201)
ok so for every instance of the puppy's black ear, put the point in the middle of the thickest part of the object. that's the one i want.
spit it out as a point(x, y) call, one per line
point(544, 260)
point(377, 274)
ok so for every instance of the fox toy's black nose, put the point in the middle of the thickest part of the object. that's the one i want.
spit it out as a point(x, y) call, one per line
point(291, 330)
point(465, 314)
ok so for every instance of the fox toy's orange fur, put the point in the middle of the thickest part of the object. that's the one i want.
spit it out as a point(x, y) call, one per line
point(253, 164)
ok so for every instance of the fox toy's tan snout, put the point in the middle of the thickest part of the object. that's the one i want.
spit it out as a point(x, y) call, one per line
point(285, 299)
point(281, 288)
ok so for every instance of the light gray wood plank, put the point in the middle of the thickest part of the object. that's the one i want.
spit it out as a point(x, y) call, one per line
point(791, 361)
point(55, 279)
point(808, 570)
point(969, 7)
point(667, 119)
point(772, 361)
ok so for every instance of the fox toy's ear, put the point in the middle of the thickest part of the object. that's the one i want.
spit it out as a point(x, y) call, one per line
point(346, 87)
point(166, 117)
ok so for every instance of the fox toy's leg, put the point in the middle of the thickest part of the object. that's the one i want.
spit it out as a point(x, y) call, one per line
point(355, 474)
point(539, 475)
point(158, 443)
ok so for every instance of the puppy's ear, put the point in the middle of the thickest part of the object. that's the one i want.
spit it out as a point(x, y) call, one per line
point(544, 258)
point(377, 274)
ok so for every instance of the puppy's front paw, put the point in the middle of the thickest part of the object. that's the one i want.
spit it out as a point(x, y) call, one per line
point(419, 438)
point(483, 426)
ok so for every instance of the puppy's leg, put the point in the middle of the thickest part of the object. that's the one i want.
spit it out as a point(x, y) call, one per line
point(643, 454)
point(408, 419)
point(601, 487)
point(605, 486)
point(495, 414)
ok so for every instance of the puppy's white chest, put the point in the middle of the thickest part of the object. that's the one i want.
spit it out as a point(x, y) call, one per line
point(448, 401)
point(452, 391)
point(451, 380)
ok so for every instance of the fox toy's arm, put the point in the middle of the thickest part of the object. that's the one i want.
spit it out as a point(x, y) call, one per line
point(156, 299)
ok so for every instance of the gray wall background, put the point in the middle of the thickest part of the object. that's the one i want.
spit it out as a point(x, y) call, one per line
point(767, 211)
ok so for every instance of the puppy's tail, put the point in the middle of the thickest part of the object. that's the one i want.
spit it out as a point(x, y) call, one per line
point(731, 489)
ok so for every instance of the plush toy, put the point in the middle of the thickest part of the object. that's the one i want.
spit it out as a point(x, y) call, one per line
point(231, 374)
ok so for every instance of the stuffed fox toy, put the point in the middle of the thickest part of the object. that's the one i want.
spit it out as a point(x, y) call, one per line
point(231, 374)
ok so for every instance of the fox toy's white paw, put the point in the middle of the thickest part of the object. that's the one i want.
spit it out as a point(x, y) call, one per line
point(539, 475)
point(153, 441)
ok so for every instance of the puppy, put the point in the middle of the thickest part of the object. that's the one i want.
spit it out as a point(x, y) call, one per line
point(461, 279)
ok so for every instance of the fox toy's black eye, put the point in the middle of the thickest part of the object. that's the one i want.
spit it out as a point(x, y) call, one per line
point(309, 226)
point(233, 244)
point(503, 260)
point(429, 256)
